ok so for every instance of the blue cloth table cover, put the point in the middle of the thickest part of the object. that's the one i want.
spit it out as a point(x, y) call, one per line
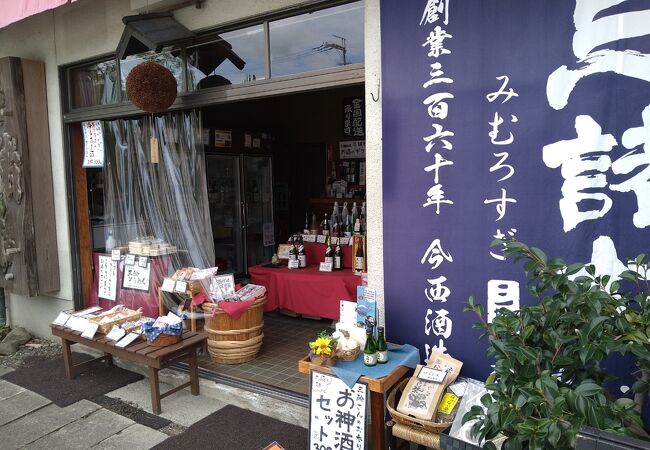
point(152, 332)
point(350, 371)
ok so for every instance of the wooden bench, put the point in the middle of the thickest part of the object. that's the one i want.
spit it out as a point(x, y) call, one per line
point(140, 352)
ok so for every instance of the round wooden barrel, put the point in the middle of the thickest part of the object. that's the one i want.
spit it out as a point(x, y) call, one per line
point(234, 341)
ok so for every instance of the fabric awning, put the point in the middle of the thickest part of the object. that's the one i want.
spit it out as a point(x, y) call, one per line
point(14, 10)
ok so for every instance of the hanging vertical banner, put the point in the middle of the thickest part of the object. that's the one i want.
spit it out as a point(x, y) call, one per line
point(354, 121)
point(93, 144)
point(507, 118)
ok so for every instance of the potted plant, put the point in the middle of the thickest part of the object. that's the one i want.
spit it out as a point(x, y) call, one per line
point(548, 381)
point(322, 349)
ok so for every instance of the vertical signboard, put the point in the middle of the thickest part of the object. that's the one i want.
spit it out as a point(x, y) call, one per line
point(507, 118)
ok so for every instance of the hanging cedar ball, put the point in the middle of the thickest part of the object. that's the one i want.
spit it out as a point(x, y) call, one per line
point(151, 87)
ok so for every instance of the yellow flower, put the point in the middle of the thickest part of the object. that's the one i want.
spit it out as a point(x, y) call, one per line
point(321, 346)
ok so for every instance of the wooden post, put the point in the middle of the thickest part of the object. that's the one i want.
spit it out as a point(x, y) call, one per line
point(155, 390)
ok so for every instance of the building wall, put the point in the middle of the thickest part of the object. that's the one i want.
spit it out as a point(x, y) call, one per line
point(90, 28)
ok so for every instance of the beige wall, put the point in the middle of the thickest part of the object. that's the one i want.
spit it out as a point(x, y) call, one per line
point(89, 28)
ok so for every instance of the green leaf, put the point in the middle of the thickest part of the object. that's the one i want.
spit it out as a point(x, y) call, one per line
point(540, 254)
point(554, 434)
point(588, 389)
point(595, 322)
point(574, 268)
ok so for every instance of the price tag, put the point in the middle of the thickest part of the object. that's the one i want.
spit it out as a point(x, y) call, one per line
point(126, 340)
point(115, 255)
point(309, 237)
point(168, 285)
point(116, 333)
point(325, 267)
point(61, 319)
point(429, 374)
point(321, 238)
point(181, 286)
point(77, 323)
point(334, 240)
point(90, 330)
point(345, 240)
point(294, 264)
point(129, 260)
point(142, 261)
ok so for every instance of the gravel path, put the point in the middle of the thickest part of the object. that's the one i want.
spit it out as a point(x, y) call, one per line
point(37, 348)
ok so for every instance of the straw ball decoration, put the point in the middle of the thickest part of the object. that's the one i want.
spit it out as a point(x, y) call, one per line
point(151, 87)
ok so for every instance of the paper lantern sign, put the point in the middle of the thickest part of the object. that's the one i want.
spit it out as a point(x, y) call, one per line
point(151, 87)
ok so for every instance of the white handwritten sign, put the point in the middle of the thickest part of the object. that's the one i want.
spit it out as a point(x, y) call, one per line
point(293, 264)
point(309, 237)
point(332, 398)
point(352, 149)
point(136, 277)
point(126, 340)
point(321, 238)
point(93, 144)
point(116, 333)
point(222, 286)
point(325, 267)
point(129, 260)
point(168, 285)
point(61, 319)
point(115, 255)
point(107, 278)
point(90, 330)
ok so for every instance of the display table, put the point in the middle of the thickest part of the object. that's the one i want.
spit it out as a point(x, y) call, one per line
point(306, 291)
point(377, 387)
point(140, 352)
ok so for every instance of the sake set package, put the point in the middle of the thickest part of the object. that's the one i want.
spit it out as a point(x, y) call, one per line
point(426, 387)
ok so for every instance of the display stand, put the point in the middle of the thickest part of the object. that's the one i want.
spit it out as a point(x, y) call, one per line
point(378, 388)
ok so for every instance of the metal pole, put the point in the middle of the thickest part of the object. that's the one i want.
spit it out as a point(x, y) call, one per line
point(3, 308)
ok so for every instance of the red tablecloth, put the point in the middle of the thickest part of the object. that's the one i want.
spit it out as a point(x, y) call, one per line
point(306, 291)
point(316, 254)
point(147, 300)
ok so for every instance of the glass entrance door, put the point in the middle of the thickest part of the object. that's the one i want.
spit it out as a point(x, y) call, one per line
point(223, 178)
point(260, 239)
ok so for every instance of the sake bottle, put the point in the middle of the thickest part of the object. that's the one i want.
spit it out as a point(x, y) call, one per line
point(382, 348)
point(370, 350)
point(329, 255)
point(302, 255)
point(337, 255)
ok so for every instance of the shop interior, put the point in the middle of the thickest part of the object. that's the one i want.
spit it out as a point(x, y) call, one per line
point(270, 165)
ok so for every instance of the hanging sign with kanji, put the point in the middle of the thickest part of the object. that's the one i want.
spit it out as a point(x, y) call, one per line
point(337, 414)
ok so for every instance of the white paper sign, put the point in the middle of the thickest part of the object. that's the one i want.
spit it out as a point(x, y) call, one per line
point(257, 143)
point(126, 340)
point(181, 286)
point(93, 144)
point(129, 260)
point(107, 278)
point(168, 285)
point(321, 239)
point(248, 140)
point(204, 273)
point(345, 240)
point(348, 312)
point(430, 374)
point(115, 255)
point(370, 294)
point(309, 237)
point(77, 323)
point(325, 267)
point(352, 149)
point(61, 319)
point(205, 133)
point(116, 333)
point(330, 398)
point(136, 277)
point(90, 330)
point(142, 261)
point(293, 264)
point(224, 284)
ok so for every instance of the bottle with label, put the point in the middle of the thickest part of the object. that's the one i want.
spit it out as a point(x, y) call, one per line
point(362, 219)
point(313, 229)
point(355, 212)
point(348, 227)
point(302, 255)
point(370, 350)
point(292, 250)
point(344, 213)
point(110, 241)
point(337, 254)
point(326, 226)
point(329, 254)
point(382, 348)
point(306, 227)
point(359, 257)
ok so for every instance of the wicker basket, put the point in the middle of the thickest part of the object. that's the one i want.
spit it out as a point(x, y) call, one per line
point(426, 425)
point(163, 340)
point(234, 341)
point(106, 327)
point(348, 355)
